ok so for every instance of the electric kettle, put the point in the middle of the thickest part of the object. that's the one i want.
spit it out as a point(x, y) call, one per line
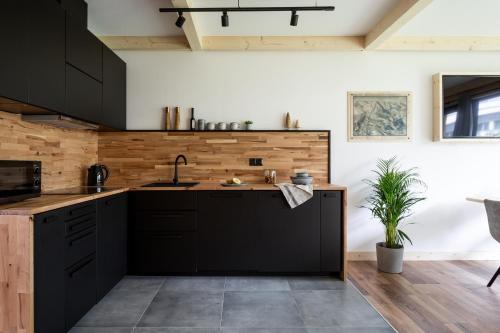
point(97, 175)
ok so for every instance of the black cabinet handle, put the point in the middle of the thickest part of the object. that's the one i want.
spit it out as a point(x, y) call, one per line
point(74, 225)
point(84, 209)
point(80, 268)
point(166, 237)
point(330, 195)
point(81, 238)
point(276, 195)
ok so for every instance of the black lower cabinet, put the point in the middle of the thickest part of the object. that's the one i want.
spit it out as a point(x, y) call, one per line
point(111, 242)
point(289, 239)
point(80, 289)
point(227, 231)
point(163, 252)
point(49, 264)
point(331, 231)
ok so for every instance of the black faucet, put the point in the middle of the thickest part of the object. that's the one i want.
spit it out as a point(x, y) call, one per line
point(176, 173)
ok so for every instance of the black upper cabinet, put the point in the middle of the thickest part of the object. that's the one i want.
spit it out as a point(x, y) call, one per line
point(111, 242)
point(227, 231)
point(49, 257)
point(113, 90)
point(46, 49)
point(331, 231)
point(14, 56)
point(83, 95)
point(289, 238)
point(77, 10)
point(83, 49)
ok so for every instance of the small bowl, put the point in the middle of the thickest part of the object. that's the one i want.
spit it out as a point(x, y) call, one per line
point(302, 174)
point(302, 180)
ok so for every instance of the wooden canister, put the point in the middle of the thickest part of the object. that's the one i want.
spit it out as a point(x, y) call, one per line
point(168, 119)
point(177, 118)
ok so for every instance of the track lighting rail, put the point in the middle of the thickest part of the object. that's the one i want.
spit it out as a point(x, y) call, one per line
point(245, 9)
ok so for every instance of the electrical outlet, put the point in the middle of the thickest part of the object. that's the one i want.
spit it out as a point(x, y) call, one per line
point(255, 161)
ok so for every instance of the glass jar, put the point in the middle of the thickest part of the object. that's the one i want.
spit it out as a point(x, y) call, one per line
point(270, 176)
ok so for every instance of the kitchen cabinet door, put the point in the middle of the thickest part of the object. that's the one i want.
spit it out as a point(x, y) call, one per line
point(77, 10)
point(83, 49)
point(227, 229)
point(114, 85)
point(49, 278)
point(289, 238)
point(14, 56)
point(331, 231)
point(83, 95)
point(111, 242)
point(46, 40)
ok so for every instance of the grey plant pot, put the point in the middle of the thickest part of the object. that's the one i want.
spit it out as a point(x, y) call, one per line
point(389, 260)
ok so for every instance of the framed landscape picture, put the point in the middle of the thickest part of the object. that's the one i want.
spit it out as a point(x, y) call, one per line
point(380, 116)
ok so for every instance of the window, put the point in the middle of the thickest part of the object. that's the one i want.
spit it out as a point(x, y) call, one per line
point(488, 116)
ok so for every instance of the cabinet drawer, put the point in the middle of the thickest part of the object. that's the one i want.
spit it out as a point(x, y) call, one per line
point(80, 290)
point(81, 209)
point(80, 245)
point(165, 221)
point(163, 200)
point(163, 252)
point(79, 224)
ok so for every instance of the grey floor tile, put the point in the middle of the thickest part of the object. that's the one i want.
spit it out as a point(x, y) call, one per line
point(257, 283)
point(332, 308)
point(101, 330)
point(175, 330)
point(120, 308)
point(269, 309)
point(192, 283)
point(316, 283)
point(139, 283)
point(264, 330)
point(184, 309)
point(351, 330)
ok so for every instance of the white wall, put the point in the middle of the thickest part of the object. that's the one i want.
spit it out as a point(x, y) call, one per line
point(313, 87)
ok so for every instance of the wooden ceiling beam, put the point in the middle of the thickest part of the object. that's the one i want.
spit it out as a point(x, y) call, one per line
point(146, 42)
point(283, 43)
point(396, 18)
point(190, 27)
point(442, 43)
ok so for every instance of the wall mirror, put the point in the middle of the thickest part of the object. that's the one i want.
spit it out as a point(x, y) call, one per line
point(466, 107)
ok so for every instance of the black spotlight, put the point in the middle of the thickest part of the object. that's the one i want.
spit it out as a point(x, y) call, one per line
point(224, 19)
point(180, 20)
point(295, 19)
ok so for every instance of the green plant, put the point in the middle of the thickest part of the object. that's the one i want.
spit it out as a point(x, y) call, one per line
point(248, 122)
point(392, 197)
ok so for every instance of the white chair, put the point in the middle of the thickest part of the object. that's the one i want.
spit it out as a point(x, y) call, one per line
point(493, 213)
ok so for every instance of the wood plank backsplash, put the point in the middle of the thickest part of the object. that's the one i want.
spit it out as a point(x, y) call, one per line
point(135, 158)
point(65, 154)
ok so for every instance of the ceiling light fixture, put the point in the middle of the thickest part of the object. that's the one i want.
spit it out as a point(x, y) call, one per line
point(295, 19)
point(180, 20)
point(225, 18)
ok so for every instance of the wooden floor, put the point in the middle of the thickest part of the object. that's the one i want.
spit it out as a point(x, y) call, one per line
point(433, 296)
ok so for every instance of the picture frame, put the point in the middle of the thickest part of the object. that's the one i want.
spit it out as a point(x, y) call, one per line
point(380, 116)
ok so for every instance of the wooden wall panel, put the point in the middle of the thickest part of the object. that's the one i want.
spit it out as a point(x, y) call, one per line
point(65, 154)
point(16, 274)
point(135, 158)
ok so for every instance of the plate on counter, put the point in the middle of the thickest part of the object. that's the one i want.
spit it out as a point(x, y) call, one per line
point(234, 185)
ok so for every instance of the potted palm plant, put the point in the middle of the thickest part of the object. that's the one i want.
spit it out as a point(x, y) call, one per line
point(392, 197)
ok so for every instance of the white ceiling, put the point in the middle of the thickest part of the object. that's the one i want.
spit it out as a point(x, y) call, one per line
point(350, 18)
point(456, 18)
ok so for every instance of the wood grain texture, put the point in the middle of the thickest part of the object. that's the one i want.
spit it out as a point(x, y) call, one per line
point(146, 42)
point(442, 43)
point(190, 27)
point(394, 20)
point(65, 154)
point(136, 158)
point(45, 203)
point(433, 296)
point(16, 274)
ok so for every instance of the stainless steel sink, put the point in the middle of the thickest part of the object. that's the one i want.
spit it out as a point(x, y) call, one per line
point(186, 184)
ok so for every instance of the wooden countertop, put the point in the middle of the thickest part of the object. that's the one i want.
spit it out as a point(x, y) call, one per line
point(249, 187)
point(47, 202)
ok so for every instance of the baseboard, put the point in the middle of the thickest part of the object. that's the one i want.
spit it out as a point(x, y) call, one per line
point(369, 256)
